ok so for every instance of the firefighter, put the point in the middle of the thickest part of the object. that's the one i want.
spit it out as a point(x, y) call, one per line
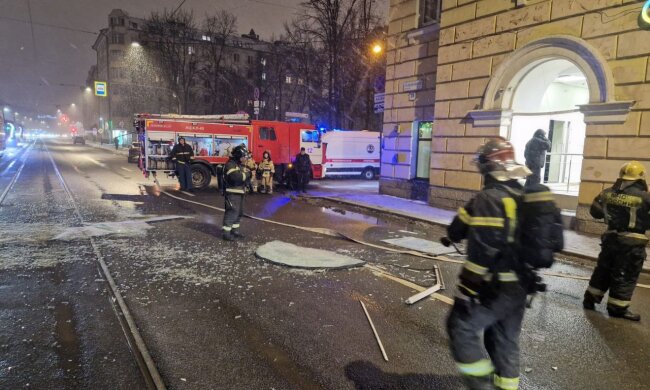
point(251, 168)
point(303, 169)
point(624, 207)
point(535, 154)
point(490, 302)
point(182, 155)
point(235, 177)
point(268, 170)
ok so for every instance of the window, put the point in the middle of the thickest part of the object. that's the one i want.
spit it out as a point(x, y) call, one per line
point(263, 62)
point(429, 12)
point(223, 144)
point(235, 57)
point(133, 25)
point(202, 145)
point(117, 21)
point(424, 150)
point(117, 54)
point(117, 38)
point(191, 50)
point(287, 79)
point(267, 133)
point(263, 76)
point(249, 60)
point(310, 136)
point(206, 38)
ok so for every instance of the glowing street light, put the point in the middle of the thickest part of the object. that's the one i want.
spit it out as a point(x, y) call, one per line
point(73, 105)
point(6, 109)
point(88, 89)
point(377, 48)
point(135, 44)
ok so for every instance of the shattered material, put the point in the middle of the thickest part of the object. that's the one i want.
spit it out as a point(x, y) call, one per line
point(283, 253)
point(420, 245)
point(124, 228)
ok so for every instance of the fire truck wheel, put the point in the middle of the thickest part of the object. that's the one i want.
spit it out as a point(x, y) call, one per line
point(200, 176)
point(368, 174)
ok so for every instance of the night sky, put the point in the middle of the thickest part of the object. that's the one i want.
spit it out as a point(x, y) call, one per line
point(30, 74)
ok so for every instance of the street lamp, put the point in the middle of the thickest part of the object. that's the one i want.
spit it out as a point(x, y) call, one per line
point(135, 44)
point(377, 48)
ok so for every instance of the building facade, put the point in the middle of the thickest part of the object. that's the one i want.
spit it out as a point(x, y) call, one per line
point(576, 69)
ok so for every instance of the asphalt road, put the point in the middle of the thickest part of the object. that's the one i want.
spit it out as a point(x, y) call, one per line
point(214, 316)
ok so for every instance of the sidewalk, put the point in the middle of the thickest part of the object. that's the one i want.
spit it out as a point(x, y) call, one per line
point(576, 244)
point(109, 147)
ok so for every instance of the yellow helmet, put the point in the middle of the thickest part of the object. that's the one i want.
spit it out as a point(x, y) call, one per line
point(632, 170)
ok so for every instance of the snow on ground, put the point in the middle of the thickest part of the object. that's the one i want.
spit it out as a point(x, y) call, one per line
point(283, 253)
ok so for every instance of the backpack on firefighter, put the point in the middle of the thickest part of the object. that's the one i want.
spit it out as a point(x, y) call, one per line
point(540, 230)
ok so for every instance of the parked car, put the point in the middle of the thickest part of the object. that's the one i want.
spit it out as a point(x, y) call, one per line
point(77, 139)
point(134, 152)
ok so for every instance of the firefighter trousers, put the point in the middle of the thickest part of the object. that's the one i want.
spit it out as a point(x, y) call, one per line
point(184, 170)
point(234, 205)
point(618, 269)
point(495, 362)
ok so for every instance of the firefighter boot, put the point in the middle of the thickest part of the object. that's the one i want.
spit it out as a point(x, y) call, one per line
point(589, 303)
point(479, 382)
point(227, 236)
point(625, 314)
point(236, 234)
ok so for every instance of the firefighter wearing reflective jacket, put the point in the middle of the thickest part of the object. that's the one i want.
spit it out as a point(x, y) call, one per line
point(491, 301)
point(268, 170)
point(624, 207)
point(235, 178)
point(182, 155)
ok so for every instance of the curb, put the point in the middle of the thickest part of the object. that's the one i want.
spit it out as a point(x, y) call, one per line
point(579, 255)
point(120, 152)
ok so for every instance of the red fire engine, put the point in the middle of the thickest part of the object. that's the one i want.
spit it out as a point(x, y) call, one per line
point(213, 136)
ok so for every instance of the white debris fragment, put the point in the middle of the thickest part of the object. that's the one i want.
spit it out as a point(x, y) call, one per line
point(283, 253)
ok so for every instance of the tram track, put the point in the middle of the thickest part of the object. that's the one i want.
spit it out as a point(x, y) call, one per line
point(137, 345)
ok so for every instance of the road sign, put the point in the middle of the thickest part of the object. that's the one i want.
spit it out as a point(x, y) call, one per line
point(379, 102)
point(296, 115)
point(101, 88)
point(100, 131)
point(256, 93)
point(256, 111)
point(256, 104)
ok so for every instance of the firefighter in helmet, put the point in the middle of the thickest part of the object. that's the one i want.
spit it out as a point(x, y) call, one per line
point(235, 177)
point(251, 167)
point(268, 170)
point(490, 301)
point(624, 207)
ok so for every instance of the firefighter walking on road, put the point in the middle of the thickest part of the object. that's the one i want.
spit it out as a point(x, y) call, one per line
point(624, 207)
point(489, 307)
point(235, 178)
point(182, 155)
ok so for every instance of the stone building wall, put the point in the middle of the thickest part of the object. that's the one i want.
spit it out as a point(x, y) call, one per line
point(476, 37)
point(411, 52)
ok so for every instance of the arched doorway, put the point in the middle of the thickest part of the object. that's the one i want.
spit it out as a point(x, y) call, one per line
point(548, 95)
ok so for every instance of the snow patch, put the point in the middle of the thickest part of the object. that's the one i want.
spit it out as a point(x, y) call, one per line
point(124, 228)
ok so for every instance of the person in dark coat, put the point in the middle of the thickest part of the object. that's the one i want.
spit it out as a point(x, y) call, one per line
point(535, 155)
point(117, 142)
point(624, 207)
point(182, 155)
point(303, 169)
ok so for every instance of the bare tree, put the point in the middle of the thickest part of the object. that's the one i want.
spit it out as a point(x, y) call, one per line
point(217, 79)
point(331, 22)
point(172, 37)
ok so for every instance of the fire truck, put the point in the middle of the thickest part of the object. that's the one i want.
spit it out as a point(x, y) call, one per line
point(213, 137)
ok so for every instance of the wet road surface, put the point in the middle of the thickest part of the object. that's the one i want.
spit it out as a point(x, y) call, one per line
point(214, 316)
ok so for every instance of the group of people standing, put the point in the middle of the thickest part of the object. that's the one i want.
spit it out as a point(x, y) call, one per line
point(485, 322)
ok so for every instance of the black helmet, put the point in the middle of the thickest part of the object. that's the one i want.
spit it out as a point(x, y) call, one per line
point(239, 152)
point(497, 158)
